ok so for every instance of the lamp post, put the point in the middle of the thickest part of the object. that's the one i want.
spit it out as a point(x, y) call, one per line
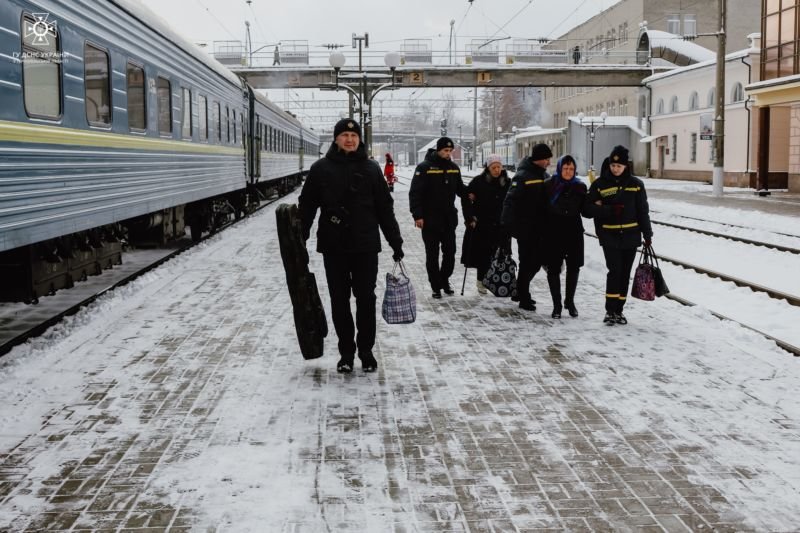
point(366, 89)
point(592, 123)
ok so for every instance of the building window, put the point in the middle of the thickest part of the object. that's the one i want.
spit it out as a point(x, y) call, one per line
point(737, 93)
point(98, 86)
point(712, 97)
point(42, 73)
point(660, 107)
point(137, 98)
point(779, 39)
point(164, 100)
point(674, 154)
point(674, 24)
point(690, 25)
point(673, 105)
point(693, 148)
point(693, 101)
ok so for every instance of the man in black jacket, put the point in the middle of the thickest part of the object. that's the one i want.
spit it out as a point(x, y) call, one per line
point(354, 201)
point(431, 198)
point(523, 215)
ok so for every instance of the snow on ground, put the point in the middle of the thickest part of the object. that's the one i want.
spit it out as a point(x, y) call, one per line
point(723, 393)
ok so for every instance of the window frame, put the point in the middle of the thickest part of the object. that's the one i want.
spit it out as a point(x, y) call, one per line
point(25, 48)
point(104, 125)
point(128, 64)
point(170, 131)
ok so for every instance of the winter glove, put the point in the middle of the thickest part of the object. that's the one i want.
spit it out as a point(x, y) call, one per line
point(398, 254)
point(647, 242)
point(618, 209)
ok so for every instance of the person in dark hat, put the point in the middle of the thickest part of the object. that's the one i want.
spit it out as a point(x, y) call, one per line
point(354, 202)
point(523, 216)
point(621, 220)
point(434, 187)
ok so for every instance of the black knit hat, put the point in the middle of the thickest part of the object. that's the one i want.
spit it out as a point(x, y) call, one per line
point(444, 142)
point(346, 124)
point(541, 151)
point(619, 155)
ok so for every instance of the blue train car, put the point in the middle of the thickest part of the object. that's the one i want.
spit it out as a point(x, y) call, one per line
point(282, 146)
point(115, 128)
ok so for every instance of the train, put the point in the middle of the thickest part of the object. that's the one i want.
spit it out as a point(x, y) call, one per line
point(115, 130)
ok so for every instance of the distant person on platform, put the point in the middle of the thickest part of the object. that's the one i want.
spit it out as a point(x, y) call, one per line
point(621, 222)
point(276, 57)
point(349, 191)
point(576, 55)
point(388, 172)
point(434, 187)
point(524, 211)
point(482, 207)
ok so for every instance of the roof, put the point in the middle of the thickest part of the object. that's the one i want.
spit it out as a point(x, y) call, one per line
point(673, 48)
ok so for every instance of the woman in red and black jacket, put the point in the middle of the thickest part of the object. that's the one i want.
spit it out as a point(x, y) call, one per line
point(622, 220)
point(388, 172)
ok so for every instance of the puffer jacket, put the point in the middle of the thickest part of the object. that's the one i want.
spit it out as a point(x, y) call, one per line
point(623, 231)
point(354, 201)
point(524, 208)
point(434, 187)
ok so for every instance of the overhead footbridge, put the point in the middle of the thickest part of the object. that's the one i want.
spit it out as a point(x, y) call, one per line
point(538, 75)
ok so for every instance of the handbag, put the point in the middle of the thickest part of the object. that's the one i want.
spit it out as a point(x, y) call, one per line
point(399, 300)
point(661, 285)
point(501, 278)
point(644, 281)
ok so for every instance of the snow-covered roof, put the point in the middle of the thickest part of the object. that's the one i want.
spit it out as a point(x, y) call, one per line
point(730, 57)
point(537, 131)
point(629, 122)
point(672, 48)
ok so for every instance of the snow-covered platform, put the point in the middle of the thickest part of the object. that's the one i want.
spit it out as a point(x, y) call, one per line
point(181, 403)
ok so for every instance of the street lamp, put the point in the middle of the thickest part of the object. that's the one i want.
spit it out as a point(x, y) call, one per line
point(367, 88)
point(592, 123)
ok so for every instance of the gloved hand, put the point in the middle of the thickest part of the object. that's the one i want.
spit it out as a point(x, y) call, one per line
point(618, 209)
point(648, 242)
point(398, 254)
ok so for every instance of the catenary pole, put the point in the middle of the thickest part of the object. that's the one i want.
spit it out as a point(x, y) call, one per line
point(718, 178)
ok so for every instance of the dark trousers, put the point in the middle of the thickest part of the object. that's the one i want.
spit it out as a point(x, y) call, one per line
point(554, 282)
point(435, 238)
point(529, 264)
point(619, 263)
point(354, 273)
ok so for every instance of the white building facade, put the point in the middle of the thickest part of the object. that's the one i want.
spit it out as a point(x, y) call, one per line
point(681, 121)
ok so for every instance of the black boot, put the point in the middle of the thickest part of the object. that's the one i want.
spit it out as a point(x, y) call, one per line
point(554, 281)
point(569, 297)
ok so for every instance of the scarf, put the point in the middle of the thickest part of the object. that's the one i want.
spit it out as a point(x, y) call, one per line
point(561, 185)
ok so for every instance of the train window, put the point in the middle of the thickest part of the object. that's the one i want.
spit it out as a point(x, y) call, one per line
point(234, 126)
point(164, 91)
point(217, 120)
point(136, 98)
point(98, 86)
point(228, 124)
point(202, 120)
point(186, 112)
point(41, 67)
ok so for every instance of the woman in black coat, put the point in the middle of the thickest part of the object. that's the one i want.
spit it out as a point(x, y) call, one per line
point(622, 222)
point(482, 207)
point(563, 237)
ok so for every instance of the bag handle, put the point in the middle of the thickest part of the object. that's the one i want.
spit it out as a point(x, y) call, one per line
point(402, 268)
point(653, 256)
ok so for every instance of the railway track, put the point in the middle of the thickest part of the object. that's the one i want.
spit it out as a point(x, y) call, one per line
point(28, 332)
point(729, 224)
point(778, 247)
point(791, 299)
